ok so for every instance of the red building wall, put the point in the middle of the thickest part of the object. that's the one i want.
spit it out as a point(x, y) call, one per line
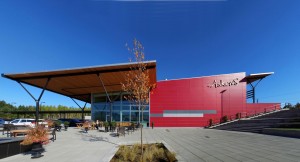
point(203, 93)
point(180, 103)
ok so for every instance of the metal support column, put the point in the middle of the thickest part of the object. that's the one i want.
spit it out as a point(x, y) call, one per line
point(37, 101)
point(251, 93)
point(110, 101)
point(82, 109)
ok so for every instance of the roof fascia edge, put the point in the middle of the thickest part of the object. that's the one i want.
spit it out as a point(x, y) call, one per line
point(72, 74)
point(87, 67)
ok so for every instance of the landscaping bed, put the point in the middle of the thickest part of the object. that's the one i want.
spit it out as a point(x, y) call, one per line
point(155, 152)
point(11, 146)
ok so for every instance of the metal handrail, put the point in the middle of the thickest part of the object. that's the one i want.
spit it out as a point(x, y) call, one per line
point(242, 115)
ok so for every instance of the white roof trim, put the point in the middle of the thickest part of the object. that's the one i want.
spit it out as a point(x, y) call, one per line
point(199, 77)
point(268, 73)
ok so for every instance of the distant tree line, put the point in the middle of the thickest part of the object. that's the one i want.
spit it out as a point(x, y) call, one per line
point(290, 106)
point(7, 108)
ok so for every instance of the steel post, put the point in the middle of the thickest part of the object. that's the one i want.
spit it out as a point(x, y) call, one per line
point(37, 103)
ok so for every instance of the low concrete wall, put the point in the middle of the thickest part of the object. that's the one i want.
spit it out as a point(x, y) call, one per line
point(11, 146)
point(284, 133)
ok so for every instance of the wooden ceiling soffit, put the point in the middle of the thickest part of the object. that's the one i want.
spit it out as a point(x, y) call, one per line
point(76, 73)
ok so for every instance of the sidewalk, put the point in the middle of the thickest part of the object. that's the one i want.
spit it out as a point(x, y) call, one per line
point(190, 144)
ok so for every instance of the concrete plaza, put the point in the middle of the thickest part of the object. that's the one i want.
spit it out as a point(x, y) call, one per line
point(190, 144)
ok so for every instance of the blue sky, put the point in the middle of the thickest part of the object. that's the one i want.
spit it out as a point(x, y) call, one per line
point(187, 39)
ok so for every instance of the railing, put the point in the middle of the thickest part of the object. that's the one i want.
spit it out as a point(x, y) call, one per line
point(256, 112)
point(241, 115)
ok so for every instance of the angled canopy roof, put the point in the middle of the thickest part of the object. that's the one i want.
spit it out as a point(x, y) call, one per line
point(254, 77)
point(79, 83)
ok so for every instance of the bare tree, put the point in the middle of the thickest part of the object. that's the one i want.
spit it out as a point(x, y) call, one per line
point(137, 82)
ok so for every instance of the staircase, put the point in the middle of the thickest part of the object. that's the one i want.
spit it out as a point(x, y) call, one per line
point(258, 123)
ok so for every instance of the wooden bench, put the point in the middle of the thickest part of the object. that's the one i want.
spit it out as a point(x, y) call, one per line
point(19, 131)
point(123, 124)
point(12, 130)
point(79, 125)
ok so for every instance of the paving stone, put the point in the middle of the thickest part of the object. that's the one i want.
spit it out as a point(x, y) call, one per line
point(190, 144)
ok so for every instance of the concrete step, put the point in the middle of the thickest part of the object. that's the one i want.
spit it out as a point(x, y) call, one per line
point(249, 127)
point(249, 124)
point(258, 123)
point(285, 113)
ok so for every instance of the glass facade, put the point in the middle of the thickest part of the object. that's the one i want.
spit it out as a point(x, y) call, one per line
point(122, 110)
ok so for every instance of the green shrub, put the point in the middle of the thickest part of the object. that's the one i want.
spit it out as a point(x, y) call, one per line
point(237, 115)
point(57, 123)
point(225, 118)
point(66, 123)
point(210, 122)
point(113, 124)
point(106, 124)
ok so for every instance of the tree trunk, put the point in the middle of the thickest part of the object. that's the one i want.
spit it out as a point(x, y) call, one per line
point(142, 134)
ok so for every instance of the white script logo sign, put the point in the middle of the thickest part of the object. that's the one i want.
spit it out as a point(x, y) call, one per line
point(221, 83)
